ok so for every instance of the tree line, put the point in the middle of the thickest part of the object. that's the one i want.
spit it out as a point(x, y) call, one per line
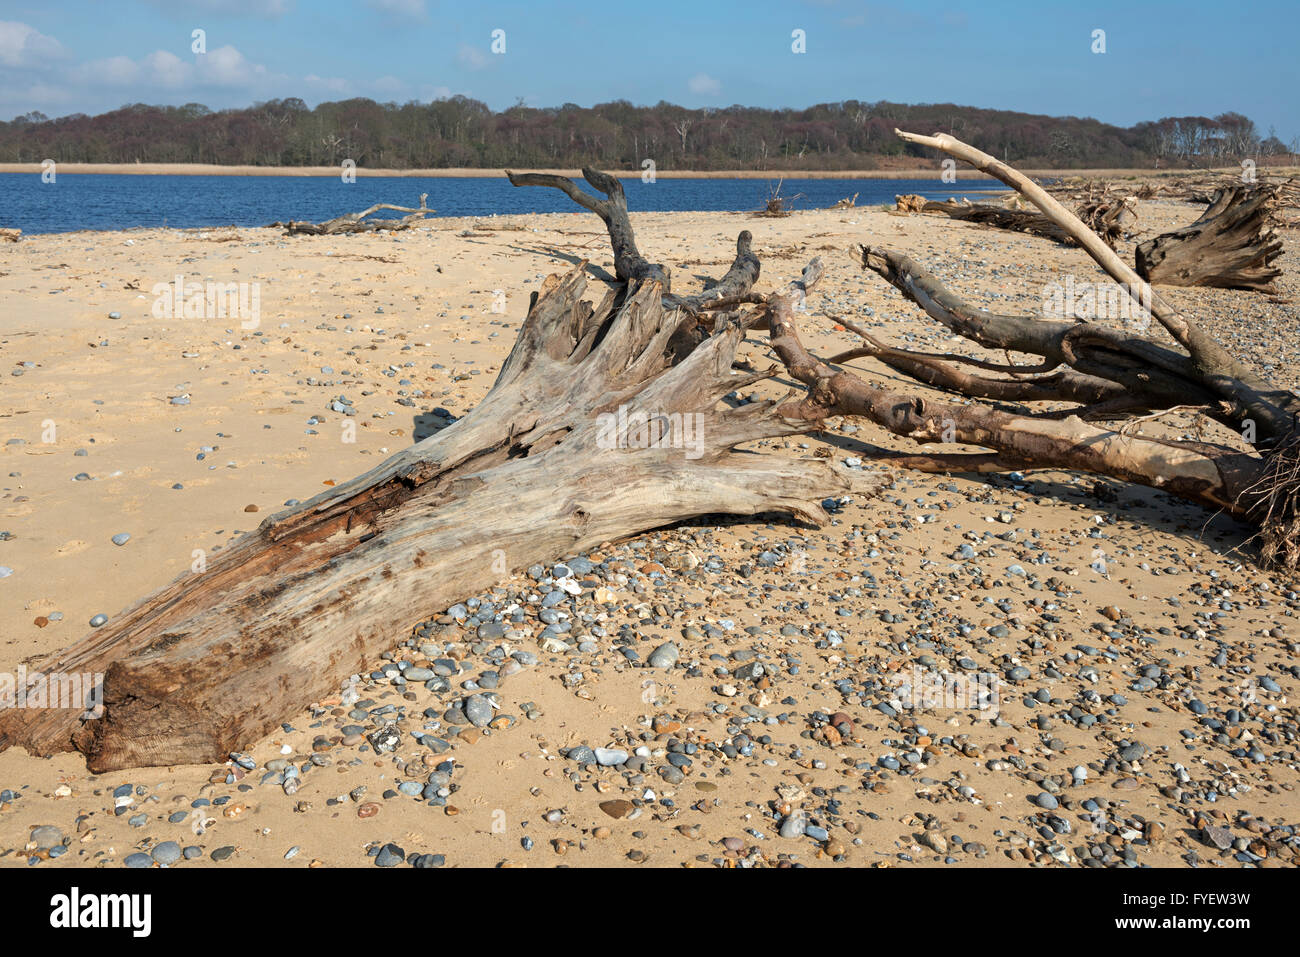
point(462, 132)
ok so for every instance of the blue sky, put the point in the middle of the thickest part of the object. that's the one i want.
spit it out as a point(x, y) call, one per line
point(1161, 59)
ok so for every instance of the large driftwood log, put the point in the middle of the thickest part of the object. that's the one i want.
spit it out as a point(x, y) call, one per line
point(359, 223)
point(596, 429)
point(1231, 246)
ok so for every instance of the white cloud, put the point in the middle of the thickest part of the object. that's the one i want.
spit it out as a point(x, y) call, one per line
point(168, 70)
point(24, 46)
point(222, 69)
point(701, 84)
point(227, 67)
point(38, 73)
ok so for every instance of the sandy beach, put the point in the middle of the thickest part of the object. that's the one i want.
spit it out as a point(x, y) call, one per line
point(1116, 619)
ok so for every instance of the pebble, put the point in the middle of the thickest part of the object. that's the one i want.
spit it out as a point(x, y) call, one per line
point(478, 710)
point(390, 855)
point(608, 757)
point(45, 837)
point(168, 852)
point(665, 656)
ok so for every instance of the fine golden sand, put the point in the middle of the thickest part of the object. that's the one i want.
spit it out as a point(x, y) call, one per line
point(102, 444)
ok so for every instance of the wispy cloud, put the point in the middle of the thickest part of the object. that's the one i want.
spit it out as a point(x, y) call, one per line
point(24, 47)
point(701, 84)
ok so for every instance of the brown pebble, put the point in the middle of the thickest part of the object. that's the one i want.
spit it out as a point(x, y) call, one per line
point(617, 808)
point(369, 809)
point(250, 508)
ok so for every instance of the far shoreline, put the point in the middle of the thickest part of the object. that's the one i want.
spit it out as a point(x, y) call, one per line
point(200, 169)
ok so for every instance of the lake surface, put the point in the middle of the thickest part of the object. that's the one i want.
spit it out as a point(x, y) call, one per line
point(92, 201)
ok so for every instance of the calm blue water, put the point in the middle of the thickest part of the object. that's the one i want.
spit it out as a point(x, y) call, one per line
point(120, 202)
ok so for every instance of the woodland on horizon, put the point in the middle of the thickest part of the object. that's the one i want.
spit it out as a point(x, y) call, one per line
point(462, 132)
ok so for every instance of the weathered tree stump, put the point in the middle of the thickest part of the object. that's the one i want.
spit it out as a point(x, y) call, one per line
point(1231, 246)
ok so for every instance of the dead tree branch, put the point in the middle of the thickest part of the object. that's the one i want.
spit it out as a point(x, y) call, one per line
point(358, 223)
